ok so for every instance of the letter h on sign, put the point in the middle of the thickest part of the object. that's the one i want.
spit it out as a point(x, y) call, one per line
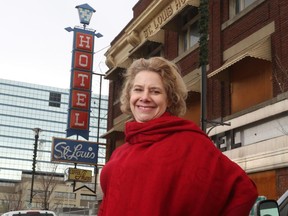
point(80, 84)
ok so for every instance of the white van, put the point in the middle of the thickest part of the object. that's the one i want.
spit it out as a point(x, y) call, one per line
point(30, 213)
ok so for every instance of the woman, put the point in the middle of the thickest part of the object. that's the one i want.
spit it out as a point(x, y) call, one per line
point(168, 166)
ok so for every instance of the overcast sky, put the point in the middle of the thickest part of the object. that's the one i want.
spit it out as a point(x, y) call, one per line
point(35, 48)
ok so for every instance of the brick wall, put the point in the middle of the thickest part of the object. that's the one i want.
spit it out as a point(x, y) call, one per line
point(280, 47)
point(268, 11)
point(171, 45)
point(140, 7)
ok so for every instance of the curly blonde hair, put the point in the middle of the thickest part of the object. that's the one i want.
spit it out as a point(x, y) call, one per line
point(173, 83)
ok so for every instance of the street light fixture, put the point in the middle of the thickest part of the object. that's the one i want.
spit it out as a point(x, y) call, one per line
point(36, 131)
point(85, 13)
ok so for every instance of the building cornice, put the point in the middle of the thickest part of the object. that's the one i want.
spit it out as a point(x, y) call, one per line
point(145, 27)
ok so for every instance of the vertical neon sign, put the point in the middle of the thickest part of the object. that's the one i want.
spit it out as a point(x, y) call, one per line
point(80, 84)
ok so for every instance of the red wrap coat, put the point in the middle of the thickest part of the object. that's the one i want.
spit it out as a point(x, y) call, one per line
point(169, 167)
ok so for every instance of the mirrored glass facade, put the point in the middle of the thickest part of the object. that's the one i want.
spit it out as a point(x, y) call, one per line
point(24, 106)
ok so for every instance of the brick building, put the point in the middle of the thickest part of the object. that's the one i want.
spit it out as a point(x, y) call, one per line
point(247, 77)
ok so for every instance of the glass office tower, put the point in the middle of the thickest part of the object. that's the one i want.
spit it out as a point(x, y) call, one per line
point(25, 106)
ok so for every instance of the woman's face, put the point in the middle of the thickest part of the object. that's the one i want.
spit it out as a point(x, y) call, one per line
point(148, 98)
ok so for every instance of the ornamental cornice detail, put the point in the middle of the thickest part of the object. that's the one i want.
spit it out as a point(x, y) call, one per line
point(133, 38)
point(110, 61)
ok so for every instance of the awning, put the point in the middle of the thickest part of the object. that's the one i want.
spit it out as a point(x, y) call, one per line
point(151, 44)
point(117, 127)
point(145, 49)
point(113, 131)
point(261, 50)
point(113, 73)
point(192, 80)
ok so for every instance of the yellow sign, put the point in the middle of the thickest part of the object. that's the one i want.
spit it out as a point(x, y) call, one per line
point(79, 175)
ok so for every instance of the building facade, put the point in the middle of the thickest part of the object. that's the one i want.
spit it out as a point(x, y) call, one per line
point(25, 106)
point(247, 77)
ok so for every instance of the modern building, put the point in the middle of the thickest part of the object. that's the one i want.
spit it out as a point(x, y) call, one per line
point(246, 76)
point(25, 106)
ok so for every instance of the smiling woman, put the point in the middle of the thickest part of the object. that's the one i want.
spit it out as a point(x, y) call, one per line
point(160, 73)
point(168, 166)
point(148, 98)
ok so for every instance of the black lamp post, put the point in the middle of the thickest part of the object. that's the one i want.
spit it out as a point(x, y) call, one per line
point(36, 131)
point(203, 57)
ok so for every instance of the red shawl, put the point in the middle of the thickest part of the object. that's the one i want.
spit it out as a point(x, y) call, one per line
point(169, 167)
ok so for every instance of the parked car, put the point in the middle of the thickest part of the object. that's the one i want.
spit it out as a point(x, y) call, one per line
point(30, 213)
point(267, 208)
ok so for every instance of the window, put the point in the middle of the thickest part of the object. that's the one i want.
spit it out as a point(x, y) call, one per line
point(88, 197)
point(189, 34)
point(236, 6)
point(54, 99)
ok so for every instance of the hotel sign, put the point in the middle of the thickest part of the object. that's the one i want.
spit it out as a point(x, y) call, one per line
point(74, 151)
point(80, 83)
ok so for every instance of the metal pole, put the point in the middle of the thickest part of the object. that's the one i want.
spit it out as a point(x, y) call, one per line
point(203, 57)
point(98, 127)
point(36, 130)
point(203, 98)
point(99, 107)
